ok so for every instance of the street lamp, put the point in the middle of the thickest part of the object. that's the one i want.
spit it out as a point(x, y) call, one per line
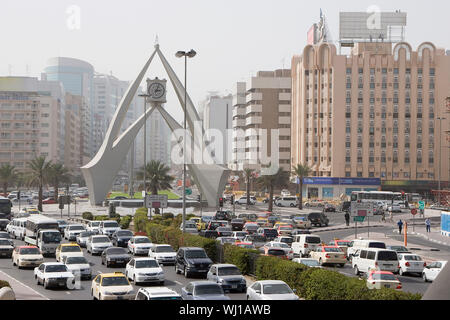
point(145, 145)
point(185, 54)
point(440, 153)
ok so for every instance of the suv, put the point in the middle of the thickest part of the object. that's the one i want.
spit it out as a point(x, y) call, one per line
point(108, 227)
point(268, 233)
point(318, 219)
point(237, 224)
point(192, 260)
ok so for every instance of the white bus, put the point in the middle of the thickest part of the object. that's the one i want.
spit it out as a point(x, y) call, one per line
point(385, 197)
point(42, 232)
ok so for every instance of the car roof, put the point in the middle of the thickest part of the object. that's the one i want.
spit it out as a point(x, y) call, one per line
point(143, 259)
point(53, 264)
point(221, 265)
point(203, 282)
point(22, 247)
point(112, 274)
point(159, 290)
point(192, 248)
point(271, 282)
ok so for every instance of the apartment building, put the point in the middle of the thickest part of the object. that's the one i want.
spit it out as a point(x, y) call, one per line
point(372, 114)
point(72, 113)
point(262, 111)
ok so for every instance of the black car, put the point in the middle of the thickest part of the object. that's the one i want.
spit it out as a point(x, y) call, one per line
point(318, 219)
point(209, 234)
point(192, 260)
point(224, 231)
point(268, 233)
point(4, 235)
point(237, 224)
point(3, 223)
point(222, 215)
point(300, 231)
point(8, 247)
point(329, 208)
point(115, 256)
point(120, 238)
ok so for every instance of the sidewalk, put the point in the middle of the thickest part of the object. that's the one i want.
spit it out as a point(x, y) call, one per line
point(22, 291)
point(433, 236)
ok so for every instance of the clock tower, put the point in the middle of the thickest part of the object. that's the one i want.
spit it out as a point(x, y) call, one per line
point(156, 89)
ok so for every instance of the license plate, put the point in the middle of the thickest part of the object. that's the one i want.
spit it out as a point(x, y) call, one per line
point(61, 284)
point(234, 286)
point(119, 298)
point(119, 261)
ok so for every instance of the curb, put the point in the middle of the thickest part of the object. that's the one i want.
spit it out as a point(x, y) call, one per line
point(346, 228)
point(430, 239)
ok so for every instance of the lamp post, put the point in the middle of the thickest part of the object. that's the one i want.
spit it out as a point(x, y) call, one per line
point(440, 153)
point(185, 54)
point(145, 145)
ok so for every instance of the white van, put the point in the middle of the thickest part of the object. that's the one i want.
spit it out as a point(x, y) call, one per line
point(16, 228)
point(365, 260)
point(356, 245)
point(304, 243)
point(287, 202)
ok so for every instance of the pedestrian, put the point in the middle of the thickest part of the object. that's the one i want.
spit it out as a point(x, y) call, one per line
point(428, 225)
point(383, 217)
point(400, 226)
point(347, 218)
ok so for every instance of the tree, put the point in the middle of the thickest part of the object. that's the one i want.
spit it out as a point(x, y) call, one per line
point(248, 175)
point(300, 171)
point(157, 177)
point(8, 175)
point(57, 174)
point(38, 175)
point(278, 180)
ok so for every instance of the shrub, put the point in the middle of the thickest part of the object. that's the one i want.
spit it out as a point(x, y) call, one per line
point(125, 221)
point(210, 246)
point(240, 257)
point(87, 215)
point(103, 217)
point(140, 219)
point(168, 215)
point(4, 283)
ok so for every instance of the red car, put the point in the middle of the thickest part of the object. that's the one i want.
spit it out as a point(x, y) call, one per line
point(49, 201)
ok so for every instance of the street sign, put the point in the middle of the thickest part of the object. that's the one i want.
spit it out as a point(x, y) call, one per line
point(359, 219)
point(156, 201)
point(188, 191)
point(414, 211)
point(421, 205)
point(359, 209)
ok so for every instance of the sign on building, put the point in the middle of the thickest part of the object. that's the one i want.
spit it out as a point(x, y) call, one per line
point(156, 201)
point(361, 209)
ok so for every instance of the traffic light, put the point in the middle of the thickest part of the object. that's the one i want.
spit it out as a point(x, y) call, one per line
point(232, 199)
point(198, 198)
point(61, 202)
point(220, 202)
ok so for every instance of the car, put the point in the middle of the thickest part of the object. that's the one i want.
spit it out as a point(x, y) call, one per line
point(139, 245)
point(358, 244)
point(112, 286)
point(318, 219)
point(67, 250)
point(398, 249)
point(270, 290)
point(237, 224)
point(246, 245)
point(190, 227)
point(284, 230)
point(299, 231)
point(286, 201)
point(285, 239)
point(303, 244)
point(203, 290)
point(272, 219)
point(301, 222)
point(243, 200)
point(262, 222)
point(368, 259)
point(256, 239)
point(27, 256)
point(223, 240)
point(3, 224)
point(329, 208)
point(222, 215)
point(31, 210)
point(410, 263)
point(79, 266)
point(379, 279)
point(144, 270)
point(163, 253)
point(392, 207)
point(329, 255)
point(212, 234)
point(313, 203)
point(192, 260)
point(93, 226)
point(224, 231)
point(432, 270)
point(288, 252)
point(120, 238)
point(198, 221)
point(62, 225)
point(49, 201)
point(157, 293)
point(54, 274)
point(72, 231)
point(341, 244)
point(4, 235)
point(309, 262)
point(83, 237)
point(250, 227)
point(273, 252)
point(268, 233)
point(345, 206)
point(108, 227)
point(115, 256)
point(17, 228)
point(97, 243)
point(6, 248)
point(239, 235)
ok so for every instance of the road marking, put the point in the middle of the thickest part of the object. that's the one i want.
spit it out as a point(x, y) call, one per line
point(23, 284)
point(178, 282)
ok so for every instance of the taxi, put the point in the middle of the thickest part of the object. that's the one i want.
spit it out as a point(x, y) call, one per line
point(32, 210)
point(329, 255)
point(379, 279)
point(198, 221)
point(112, 286)
point(341, 244)
point(68, 250)
point(262, 222)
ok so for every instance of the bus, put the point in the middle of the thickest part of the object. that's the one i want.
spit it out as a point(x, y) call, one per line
point(5, 208)
point(413, 197)
point(385, 197)
point(42, 232)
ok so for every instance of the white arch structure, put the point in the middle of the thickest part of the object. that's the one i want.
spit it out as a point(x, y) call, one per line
point(100, 172)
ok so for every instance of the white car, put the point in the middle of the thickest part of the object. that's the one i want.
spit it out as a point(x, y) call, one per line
point(27, 256)
point(144, 270)
point(157, 293)
point(243, 200)
point(72, 231)
point(239, 235)
point(96, 244)
point(281, 245)
point(108, 227)
point(432, 270)
point(79, 266)
point(67, 250)
point(93, 226)
point(163, 253)
point(191, 227)
point(112, 286)
point(139, 245)
point(410, 263)
point(270, 290)
point(83, 237)
point(54, 274)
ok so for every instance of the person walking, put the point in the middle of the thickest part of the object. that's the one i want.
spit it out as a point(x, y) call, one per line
point(400, 226)
point(347, 218)
point(383, 216)
point(428, 225)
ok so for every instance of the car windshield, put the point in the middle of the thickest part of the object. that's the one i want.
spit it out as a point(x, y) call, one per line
point(94, 223)
point(111, 224)
point(413, 258)
point(56, 268)
point(207, 289)
point(228, 271)
point(114, 281)
point(383, 276)
point(380, 245)
point(116, 251)
point(328, 249)
point(164, 249)
point(86, 234)
point(280, 245)
point(76, 260)
point(142, 240)
point(124, 233)
point(387, 256)
point(278, 288)
point(191, 225)
point(71, 249)
point(29, 251)
point(312, 240)
point(76, 228)
point(310, 263)
point(150, 263)
point(342, 243)
point(195, 254)
point(5, 235)
point(51, 237)
point(100, 240)
point(4, 242)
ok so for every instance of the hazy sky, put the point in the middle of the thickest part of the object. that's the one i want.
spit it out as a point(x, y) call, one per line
point(233, 38)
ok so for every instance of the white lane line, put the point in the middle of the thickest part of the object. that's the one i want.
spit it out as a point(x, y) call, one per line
point(23, 284)
point(178, 282)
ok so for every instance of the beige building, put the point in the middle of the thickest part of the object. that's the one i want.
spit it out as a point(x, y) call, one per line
point(372, 114)
point(262, 104)
point(72, 154)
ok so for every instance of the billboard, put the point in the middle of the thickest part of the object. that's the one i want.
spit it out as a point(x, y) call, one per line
point(342, 181)
point(372, 25)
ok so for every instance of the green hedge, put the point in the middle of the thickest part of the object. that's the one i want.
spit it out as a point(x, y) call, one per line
point(125, 221)
point(4, 283)
point(87, 215)
point(241, 257)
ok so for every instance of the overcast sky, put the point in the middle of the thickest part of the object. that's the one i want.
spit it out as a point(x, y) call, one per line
point(233, 38)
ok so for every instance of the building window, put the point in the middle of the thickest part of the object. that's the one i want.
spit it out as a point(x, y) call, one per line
point(349, 70)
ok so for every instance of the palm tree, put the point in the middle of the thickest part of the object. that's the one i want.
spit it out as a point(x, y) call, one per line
point(8, 175)
point(39, 173)
point(278, 180)
point(248, 175)
point(57, 174)
point(158, 174)
point(301, 171)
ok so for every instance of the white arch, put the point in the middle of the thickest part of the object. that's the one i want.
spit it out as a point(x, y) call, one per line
point(402, 45)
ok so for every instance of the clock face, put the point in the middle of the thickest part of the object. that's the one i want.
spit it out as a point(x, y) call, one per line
point(156, 90)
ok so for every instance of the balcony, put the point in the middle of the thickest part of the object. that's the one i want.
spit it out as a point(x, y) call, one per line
point(284, 108)
point(238, 112)
point(238, 123)
point(253, 96)
point(253, 108)
point(284, 96)
point(284, 120)
point(253, 120)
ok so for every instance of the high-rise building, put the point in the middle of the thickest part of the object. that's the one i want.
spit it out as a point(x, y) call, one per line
point(372, 114)
point(72, 154)
point(260, 105)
